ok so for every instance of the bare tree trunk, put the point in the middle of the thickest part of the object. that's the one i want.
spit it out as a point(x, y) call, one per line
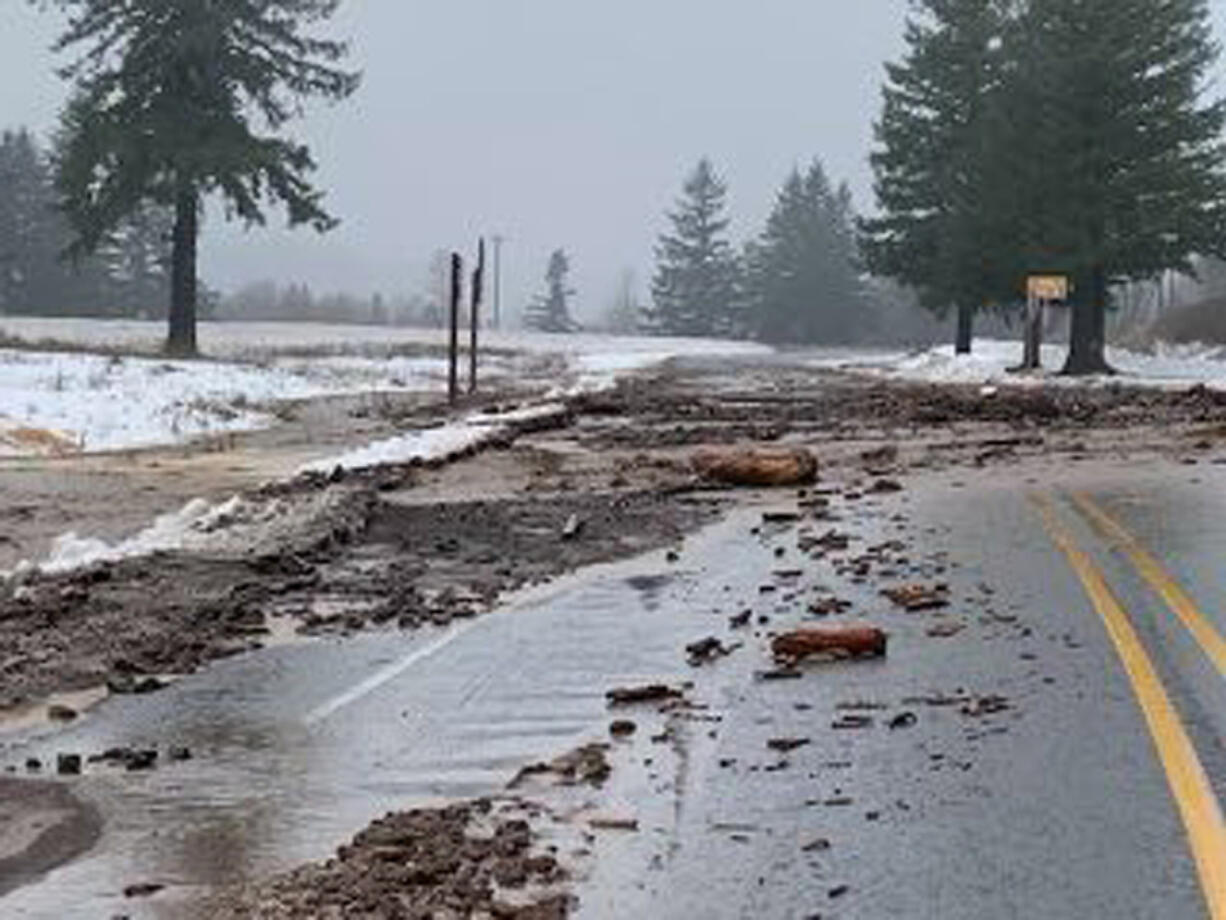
point(1087, 337)
point(966, 329)
point(181, 340)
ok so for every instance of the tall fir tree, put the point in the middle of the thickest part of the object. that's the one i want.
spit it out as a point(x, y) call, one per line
point(936, 166)
point(1117, 156)
point(801, 279)
point(550, 312)
point(166, 96)
point(695, 289)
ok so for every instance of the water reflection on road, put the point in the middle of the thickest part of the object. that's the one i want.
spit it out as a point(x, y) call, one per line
point(296, 747)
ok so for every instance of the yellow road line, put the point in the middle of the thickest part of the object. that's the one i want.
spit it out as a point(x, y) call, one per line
point(1198, 806)
point(1149, 568)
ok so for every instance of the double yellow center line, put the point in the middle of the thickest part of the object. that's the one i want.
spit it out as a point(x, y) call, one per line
point(1194, 796)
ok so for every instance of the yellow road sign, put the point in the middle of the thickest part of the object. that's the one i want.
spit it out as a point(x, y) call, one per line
point(1047, 287)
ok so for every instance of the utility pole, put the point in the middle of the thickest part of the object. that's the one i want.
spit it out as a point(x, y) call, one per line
point(453, 352)
point(497, 239)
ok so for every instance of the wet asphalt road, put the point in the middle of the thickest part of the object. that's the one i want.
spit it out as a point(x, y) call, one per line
point(1054, 803)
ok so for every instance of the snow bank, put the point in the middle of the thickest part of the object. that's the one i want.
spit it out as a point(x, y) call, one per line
point(242, 522)
point(195, 525)
point(169, 531)
point(468, 433)
point(1170, 367)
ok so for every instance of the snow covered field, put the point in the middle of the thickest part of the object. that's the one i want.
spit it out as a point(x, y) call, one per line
point(259, 341)
point(1168, 367)
point(61, 402)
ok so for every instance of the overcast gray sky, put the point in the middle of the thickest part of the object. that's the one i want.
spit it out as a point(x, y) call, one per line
point(555, 122)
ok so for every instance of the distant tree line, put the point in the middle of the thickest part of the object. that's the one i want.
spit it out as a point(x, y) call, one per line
point(269, 300)
point(128, 274)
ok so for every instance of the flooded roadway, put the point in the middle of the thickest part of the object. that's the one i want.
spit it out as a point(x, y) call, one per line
point(1053, 804)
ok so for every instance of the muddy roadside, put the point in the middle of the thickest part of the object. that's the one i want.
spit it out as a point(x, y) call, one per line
point(403, 546)
point(112, 495)
point(417, 545)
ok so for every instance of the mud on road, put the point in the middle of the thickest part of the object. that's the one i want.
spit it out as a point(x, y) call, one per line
point(411, 546)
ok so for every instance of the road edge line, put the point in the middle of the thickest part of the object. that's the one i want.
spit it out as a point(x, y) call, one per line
point(1198, 805)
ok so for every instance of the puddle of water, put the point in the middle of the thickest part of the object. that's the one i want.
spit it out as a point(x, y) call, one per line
point(298, 746)
point(37, 715)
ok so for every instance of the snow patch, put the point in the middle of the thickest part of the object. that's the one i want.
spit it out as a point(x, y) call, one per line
point(991, 360)
point(66, 402)
point(468, 433)
point(168, 532)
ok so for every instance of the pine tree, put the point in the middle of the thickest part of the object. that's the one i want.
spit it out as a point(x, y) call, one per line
point(802, 281)
point(695, 290)
point(34, 277)
point(1117, 158)
point(165, 96)
point(936, 164)
point(27, 242)
point(551, 311)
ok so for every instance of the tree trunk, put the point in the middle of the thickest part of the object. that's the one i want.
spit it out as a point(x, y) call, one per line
point(181, 341)
point(966, 329)
point(1087, 335)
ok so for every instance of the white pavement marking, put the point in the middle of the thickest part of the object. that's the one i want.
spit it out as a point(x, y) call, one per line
point(382, 676)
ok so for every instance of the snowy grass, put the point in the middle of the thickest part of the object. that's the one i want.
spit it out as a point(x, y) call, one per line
point(259, 341)
point(1167, 366)
point(105, 398)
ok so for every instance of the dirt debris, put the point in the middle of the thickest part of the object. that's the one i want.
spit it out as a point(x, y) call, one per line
point(455, 862)
point(647, 693)
point(588, 764)
point(706, 650)
point(367, 563)
point(916, 597)
point(440, 560)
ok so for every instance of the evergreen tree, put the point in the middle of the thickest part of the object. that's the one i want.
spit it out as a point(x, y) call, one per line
point(26, 212)
point(695, 290)
point(936, 168)
point(802, 282)
point(1117, 156)
point(165, 95)
point(34, 278)
point(551, 311)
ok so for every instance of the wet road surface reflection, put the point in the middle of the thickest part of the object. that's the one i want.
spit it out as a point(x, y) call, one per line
point(298, 746)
